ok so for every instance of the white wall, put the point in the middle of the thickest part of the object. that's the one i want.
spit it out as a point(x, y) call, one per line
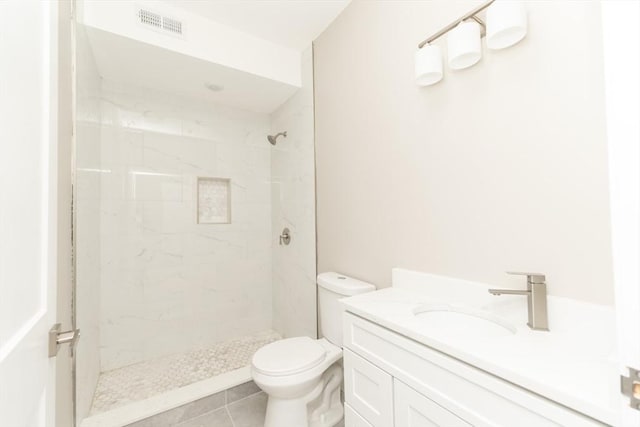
point(293, 206)
point(169, 285)
point(499, 167)
point(87, 222)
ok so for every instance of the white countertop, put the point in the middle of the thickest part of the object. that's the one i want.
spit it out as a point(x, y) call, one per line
point(573, 364)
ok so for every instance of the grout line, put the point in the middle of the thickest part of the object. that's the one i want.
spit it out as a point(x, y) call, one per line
point(244, 398)
point(233, 424)
point(225, 407)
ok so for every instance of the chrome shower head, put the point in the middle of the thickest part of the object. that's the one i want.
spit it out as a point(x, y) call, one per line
point(273, 138)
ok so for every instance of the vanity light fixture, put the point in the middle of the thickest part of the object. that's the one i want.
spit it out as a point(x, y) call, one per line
point(506, 25)
point(464, 47)
point(428, 62)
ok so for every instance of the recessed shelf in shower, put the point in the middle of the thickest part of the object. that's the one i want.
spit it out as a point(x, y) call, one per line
point(214, 200)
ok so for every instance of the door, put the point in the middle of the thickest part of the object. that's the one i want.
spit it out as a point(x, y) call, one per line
point(28, 145)
point(621, 32)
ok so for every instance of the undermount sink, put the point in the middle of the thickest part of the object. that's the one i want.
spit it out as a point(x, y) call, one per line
point(463, 322)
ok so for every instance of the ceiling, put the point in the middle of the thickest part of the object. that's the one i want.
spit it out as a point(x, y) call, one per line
point(123, 59)
point(291, 23)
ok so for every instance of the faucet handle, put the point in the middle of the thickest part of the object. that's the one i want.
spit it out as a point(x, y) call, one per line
point(531, 277)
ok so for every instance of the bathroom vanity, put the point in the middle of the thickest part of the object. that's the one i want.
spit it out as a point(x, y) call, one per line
point(436, 351)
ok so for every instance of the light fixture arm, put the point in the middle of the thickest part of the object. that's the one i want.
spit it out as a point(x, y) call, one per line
point(483, 26)
point(470, 15)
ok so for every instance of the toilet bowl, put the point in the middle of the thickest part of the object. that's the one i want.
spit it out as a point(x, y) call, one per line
point(291, 372)
point(301, 376)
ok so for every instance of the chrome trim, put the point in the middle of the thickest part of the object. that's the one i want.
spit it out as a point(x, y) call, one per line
point(451, 26)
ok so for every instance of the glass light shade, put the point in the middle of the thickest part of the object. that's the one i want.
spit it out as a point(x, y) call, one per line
point(506, 23)
point(464, 46)
point(428, 63)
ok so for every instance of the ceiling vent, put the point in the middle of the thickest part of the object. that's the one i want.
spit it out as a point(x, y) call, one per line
point(172, 25)
point(155, 21)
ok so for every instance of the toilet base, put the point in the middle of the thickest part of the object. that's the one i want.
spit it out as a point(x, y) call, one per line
point(289, 412)
point(282, 413)
point(322, 407)
point(329, 418)
point(328, 408)
point(285, 413)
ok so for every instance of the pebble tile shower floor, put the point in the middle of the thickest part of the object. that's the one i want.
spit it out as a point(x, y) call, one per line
point(146, 379)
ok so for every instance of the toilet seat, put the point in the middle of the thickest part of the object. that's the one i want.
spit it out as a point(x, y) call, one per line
point(289, 356)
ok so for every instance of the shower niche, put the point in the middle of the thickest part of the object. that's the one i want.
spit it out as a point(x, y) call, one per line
point(179, 207)
point(214, 200)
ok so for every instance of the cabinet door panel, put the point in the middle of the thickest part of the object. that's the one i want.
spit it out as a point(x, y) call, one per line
point(353, 419)
point(415, 410)
point(368, 390)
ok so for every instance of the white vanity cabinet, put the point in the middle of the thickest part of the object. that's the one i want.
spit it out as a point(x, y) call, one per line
point(393, 381)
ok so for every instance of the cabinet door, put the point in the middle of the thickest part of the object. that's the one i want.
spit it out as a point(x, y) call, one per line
point(353, 419)
point(412, 409)
point(368, 390)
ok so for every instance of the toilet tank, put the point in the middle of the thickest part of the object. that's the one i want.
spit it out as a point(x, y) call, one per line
point(331, 288)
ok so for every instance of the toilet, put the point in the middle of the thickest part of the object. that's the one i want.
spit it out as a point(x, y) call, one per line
point(301, 376)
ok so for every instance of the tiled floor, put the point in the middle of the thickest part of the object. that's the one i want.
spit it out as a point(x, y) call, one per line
point(241, 406)
point(143, 380)
point(248, 412)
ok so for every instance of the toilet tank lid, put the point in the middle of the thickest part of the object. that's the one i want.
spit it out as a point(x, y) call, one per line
point(343, 285)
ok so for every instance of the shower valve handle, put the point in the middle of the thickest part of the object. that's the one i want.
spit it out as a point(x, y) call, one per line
point(285, 237)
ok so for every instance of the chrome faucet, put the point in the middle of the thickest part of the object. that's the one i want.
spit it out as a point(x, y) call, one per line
point(536, 299)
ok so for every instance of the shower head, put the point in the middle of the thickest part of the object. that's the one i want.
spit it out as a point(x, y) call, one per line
point(273, 138)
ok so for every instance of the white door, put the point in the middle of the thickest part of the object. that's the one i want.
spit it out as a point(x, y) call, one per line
point(621, 31)
point(28, 55)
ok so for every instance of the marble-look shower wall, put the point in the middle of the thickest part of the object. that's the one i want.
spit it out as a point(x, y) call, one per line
point(293, 204)
point(168, 284)
point(87, 231)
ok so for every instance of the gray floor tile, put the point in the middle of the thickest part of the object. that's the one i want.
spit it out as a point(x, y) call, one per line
point(147, 422)
point(241, 391)
point(204, 405)
point(184, 412)
point(249, 412)
point(217, 418)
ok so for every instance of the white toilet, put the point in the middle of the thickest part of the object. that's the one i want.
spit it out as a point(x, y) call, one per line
point(303, 376)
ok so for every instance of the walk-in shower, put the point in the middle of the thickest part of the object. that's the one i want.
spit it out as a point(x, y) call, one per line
point(179, 208)
point(274, 138)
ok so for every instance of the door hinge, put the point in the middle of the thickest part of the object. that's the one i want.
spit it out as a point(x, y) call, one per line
point(630, 387)
point(57, 338)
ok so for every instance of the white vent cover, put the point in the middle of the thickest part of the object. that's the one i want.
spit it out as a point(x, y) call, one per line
point(159, 22)
point(172, 25)
point(149, 18)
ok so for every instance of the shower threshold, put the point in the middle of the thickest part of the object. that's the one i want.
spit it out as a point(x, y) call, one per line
point(137, 391)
